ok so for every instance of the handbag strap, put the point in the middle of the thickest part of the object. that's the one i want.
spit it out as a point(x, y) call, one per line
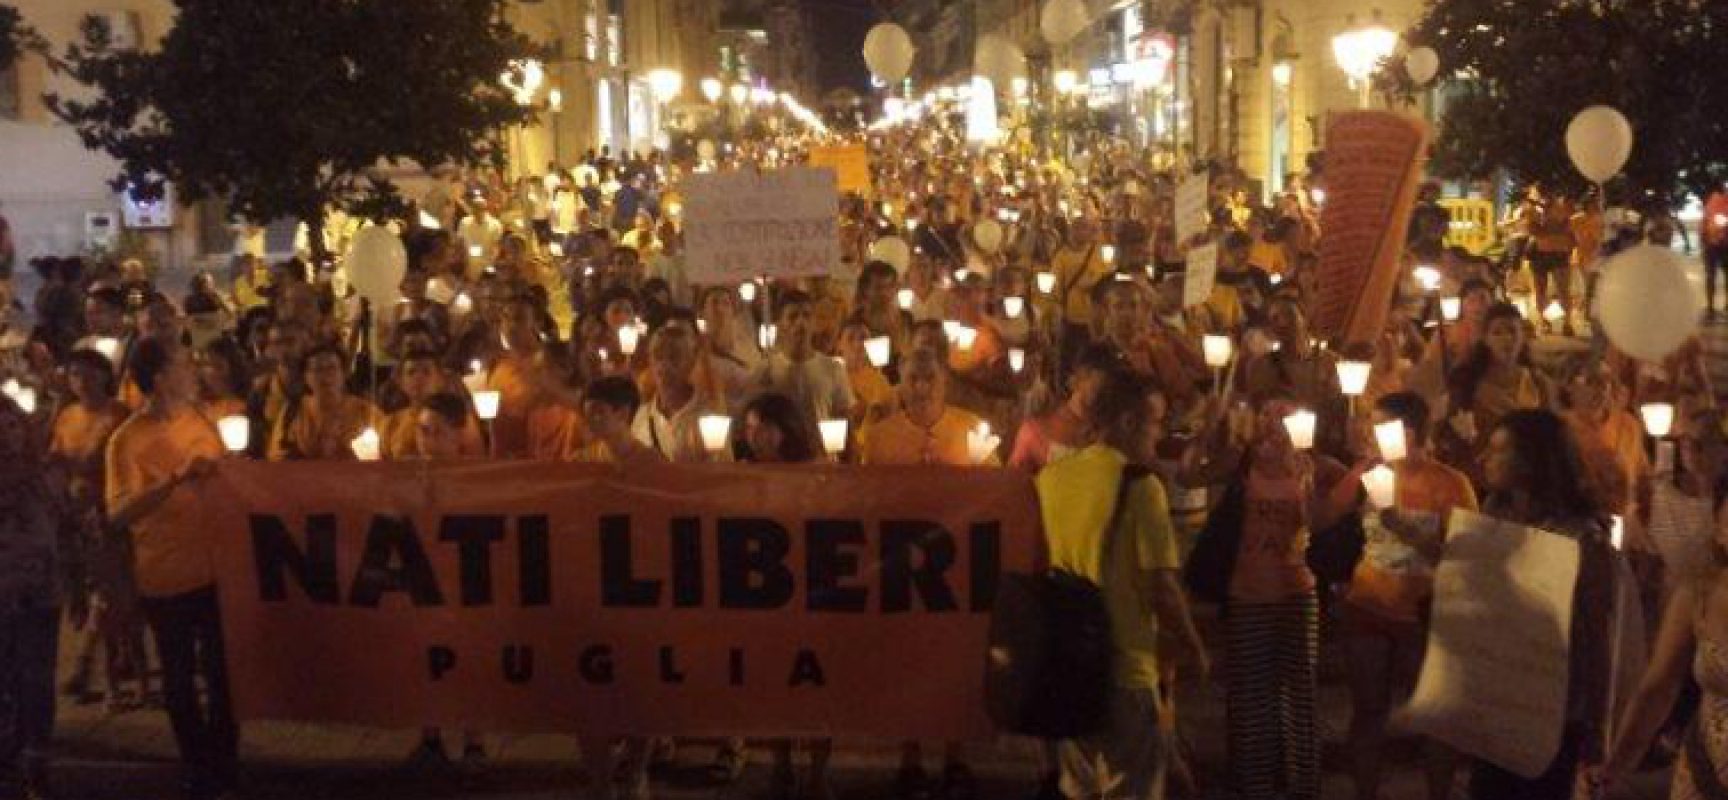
point(1130, 475)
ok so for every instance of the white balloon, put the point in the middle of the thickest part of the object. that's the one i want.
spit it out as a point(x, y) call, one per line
point(988, 236)
point(888, 51)
point(893, 251)
point(1423, 64)
point(1599, 141)
point(376, 263)
point(1648, 302)
point(705, 150)
point(1062, 20)
point(998, 59)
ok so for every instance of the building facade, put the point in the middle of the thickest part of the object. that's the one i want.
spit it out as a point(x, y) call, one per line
point(595, 93)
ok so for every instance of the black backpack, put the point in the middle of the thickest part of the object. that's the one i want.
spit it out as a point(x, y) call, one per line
point(1049, 670)
point(1209, 566)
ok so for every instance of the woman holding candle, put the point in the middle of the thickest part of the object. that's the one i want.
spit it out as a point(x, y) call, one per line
point(1535, 477)
point(1491, 383)
point(1272, 640)
point(1067, 428)
point(1383, 611)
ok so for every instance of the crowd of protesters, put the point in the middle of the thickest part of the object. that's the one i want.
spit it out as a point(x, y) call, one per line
point(567, 296)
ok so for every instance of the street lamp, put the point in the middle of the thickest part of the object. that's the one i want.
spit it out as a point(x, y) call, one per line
point(665, 83)
point(739, 94)
point(712, 88)
point(1359, 52)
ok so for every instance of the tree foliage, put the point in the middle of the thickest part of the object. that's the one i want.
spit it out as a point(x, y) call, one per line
point(1524, 68)
point(287, 108)
point(16, 38)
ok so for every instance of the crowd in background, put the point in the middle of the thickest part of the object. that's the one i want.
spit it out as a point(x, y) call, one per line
point(1061, 347)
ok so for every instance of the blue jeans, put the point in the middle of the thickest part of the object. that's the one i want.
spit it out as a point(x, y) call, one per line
point(29, 647)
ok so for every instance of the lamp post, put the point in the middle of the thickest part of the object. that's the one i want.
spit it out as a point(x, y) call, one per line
point(665, 84)
point(1359, 51)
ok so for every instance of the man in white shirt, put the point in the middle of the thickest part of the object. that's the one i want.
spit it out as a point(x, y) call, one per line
point(816, 383)
point(668, 422)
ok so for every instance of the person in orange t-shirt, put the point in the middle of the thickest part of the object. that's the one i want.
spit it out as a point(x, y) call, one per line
point(156, 462)
point(1383, 610)
point(518, 377)
point(924, 429)
point(327, 419)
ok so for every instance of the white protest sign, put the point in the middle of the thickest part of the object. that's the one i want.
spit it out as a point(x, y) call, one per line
point(747, 224)
point(1494, 681)
point(1191, 213)
point(1201, 275)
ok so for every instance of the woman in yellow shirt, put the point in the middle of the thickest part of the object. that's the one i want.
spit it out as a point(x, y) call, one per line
point(326, 419)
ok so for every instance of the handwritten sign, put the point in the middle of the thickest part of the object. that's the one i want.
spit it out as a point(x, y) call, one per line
point(1191, 202)
point(746, 224)
point(1373, 169)
point(851, 165)
point(1201, 275)
point(1493, 684)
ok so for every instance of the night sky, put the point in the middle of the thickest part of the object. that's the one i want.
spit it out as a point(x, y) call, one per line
point(840, 27)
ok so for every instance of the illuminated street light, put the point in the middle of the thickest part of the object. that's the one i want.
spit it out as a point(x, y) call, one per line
point(1359, 52)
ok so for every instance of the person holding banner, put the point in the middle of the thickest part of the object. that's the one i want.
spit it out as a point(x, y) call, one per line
point(924, 429)
point(1536, 477)
point(154, 461)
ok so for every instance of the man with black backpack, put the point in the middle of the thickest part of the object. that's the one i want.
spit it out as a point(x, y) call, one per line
point(1108, 521)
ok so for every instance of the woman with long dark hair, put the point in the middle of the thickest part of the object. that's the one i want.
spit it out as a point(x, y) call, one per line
point(1490, 383)
point(1536, 477)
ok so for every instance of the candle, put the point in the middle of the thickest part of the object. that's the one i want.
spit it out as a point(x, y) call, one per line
point(1319, 196)
point(747, 290)
point(1300, 426)
point(25, 397)
point(961, 274)
point(1353, 377)
point(486, 404)
point(1617, 531)
point(911, 223)
point(462, 305)
point(1554, 312)
point(887, 209)
point(1389, 436)
point(877, 349)
point(1016, 359)
point(1013, 306)
point(1658, 418)
point(628, 338)
point(767, 336)
point(965, 337)
point(1451, 307)
point(833, 435)
point(905, 297)
point(1428, 278)
point(701, 325)
point(1217, 350)
point(556, 249)
point(365, 446)
point(109, 347)
point(11, 387)
point(981, 443)
point(476, 251)
point(1382, 485)
point(714, 428)
point(1108, 252)
point(1046, 282)
point(236, 432)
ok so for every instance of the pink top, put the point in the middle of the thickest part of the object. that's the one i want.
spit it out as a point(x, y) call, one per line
point(1272, 559)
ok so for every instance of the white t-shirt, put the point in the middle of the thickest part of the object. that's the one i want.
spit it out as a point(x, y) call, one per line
point(818, 385)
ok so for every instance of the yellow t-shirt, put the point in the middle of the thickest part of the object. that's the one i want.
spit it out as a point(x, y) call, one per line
point(1269, 257)
point(1078, 495)
point(899, 440)
point(870, 388)
point(1224, 306)
point(172, 544)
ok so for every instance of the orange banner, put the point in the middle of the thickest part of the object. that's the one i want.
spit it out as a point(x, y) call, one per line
point(1373, 169)
point(851, 165)
point(675, 600)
